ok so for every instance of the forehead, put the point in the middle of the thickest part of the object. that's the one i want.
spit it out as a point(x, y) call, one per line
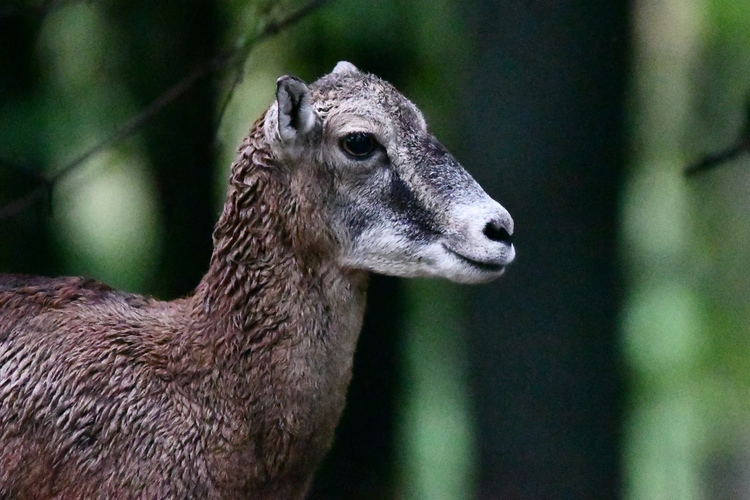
point(366, 97)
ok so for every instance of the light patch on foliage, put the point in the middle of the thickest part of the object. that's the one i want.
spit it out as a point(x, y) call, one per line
point(75, 44)
point(664, 329)
point(108, 223)
point(661, 448)
point(437, 427)
point(655, 212)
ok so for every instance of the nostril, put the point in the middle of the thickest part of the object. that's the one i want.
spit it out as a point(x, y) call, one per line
point(496, 231)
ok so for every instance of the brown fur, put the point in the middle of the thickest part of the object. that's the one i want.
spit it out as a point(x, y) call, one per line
point(235, 391)
point(229, 393)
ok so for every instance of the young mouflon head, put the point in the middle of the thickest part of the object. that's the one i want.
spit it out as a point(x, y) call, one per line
point(400, 204)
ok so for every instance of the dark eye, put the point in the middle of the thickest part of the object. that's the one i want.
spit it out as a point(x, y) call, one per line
point(359, 145)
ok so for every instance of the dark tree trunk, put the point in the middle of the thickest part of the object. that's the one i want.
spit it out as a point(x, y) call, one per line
point(171, 40)
point(362, 461)
point(545, 110)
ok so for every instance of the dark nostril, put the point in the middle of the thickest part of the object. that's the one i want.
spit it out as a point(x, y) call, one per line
point(496, 231)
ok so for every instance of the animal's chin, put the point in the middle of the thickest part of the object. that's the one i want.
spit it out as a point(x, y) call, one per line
point(484, 266)
point(437, 260)
point(467, 269)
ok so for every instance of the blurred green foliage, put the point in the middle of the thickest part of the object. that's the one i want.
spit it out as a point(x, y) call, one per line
point(685, 321)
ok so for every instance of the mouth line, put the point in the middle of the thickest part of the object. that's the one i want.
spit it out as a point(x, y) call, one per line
point(484, 266)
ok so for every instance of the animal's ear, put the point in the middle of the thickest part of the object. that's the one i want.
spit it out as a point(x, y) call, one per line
point(296, 116)
point(344, 67)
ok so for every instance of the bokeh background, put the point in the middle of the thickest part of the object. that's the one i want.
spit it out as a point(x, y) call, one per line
point(613, 359)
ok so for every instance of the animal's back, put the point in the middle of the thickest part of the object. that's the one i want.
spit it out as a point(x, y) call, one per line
point(81, 396)
point(26, 296)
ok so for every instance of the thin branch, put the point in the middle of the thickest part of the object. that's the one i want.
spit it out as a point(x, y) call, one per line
point(270, 29)
point(238, 55)
point(714, 160)
point(740, 147)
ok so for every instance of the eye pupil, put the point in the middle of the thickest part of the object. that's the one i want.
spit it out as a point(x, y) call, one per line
point(359, 145)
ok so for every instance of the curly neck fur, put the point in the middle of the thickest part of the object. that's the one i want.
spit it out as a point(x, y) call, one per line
point(281, 315)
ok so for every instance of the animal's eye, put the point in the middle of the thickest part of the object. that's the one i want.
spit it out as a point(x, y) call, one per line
point(359, 145)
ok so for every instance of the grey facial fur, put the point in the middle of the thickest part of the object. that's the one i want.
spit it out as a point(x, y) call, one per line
point(409, 209)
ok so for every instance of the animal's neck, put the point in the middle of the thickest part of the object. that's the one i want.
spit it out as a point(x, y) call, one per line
point(276, 311)
point(254, 256)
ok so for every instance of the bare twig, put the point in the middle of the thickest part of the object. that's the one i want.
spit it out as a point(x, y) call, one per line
point(740, 147)
point(717, 159)
point(238, 55)
point(269, 29)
